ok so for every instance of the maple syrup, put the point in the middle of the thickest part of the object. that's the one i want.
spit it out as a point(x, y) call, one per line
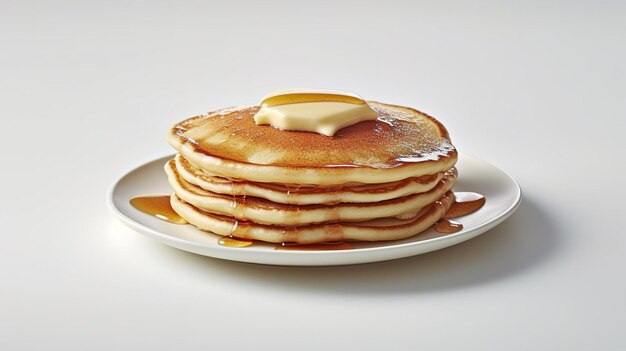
point(158, 206)
point(292, 97)
point(448, 226)
point(465, 203)
point(233, 242)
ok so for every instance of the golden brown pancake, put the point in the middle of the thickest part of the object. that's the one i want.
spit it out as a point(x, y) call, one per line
point(375, 230)
point(400, 144)
point(375, 180)
point(266, 212)
point(298, 194)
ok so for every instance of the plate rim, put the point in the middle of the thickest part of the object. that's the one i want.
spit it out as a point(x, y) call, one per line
point(239, 255)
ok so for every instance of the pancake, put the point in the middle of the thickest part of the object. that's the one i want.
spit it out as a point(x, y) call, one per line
point(298, 194)
point(375, 230)
point(264, 211)
point(402, 143)
point(383, 179)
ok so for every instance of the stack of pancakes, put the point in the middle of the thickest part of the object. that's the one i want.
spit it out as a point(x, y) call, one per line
point(375, 180)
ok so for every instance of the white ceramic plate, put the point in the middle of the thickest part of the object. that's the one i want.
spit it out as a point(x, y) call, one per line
point(502, 192)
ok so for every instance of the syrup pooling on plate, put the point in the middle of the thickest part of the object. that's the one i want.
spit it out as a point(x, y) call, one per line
point(464, 204)
point(234, 242)
point(158, 206)
point(448, 226)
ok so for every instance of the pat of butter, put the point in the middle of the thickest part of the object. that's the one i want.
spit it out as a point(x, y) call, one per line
point(320, 111)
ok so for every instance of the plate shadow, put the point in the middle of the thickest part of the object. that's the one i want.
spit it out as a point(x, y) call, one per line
point(523, 242)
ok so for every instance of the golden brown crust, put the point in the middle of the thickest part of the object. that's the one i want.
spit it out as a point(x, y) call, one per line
point(400, 136)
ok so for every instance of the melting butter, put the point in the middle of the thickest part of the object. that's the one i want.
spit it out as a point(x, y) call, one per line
point(320, 111)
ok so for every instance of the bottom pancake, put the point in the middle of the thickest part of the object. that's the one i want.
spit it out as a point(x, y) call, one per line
point(373, 230)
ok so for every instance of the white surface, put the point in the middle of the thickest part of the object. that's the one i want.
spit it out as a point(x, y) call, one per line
point(476, 175)
point(88, 91)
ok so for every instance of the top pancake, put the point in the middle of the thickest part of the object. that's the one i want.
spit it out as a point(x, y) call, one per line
point(401, 143)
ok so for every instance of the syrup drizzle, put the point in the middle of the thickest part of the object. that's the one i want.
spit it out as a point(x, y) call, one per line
point(464, 204)
point(295, 97)
point(447, 226)
point(158, 206)
point(234, 242)
point(238, 186)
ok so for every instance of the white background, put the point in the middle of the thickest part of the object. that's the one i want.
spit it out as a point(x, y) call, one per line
point(88, 90)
